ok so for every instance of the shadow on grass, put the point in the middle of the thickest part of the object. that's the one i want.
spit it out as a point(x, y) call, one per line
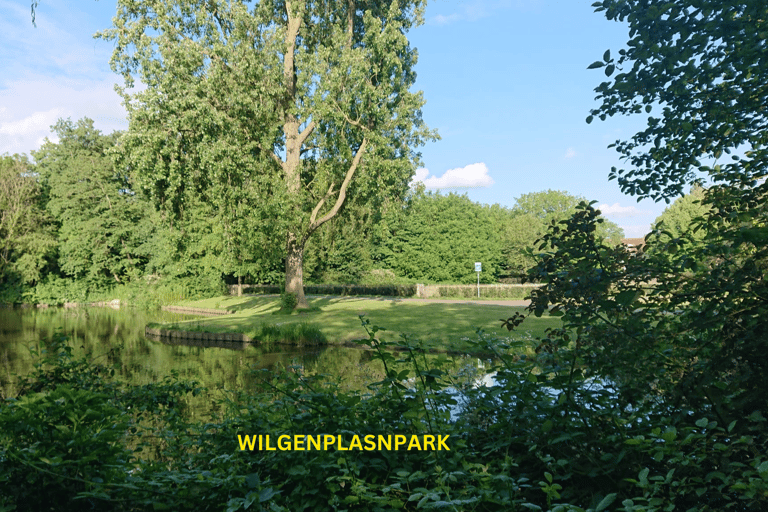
point(447, 326)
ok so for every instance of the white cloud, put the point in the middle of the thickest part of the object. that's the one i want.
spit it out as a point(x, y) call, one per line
point(445, 20)
point(30, 106)
point(479, 9)
point(37, 122)
point(471, 176)
point(618, 211)
point(636, 230)
point(570, 153)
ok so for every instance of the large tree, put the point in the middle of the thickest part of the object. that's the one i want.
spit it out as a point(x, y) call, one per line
point(438, 238)
point(289, 106)
point(27, 242)
point(101, 224)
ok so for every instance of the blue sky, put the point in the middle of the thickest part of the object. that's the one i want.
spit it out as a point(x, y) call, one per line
point(505, 82)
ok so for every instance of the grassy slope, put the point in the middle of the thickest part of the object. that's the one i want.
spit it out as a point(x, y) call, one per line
point(440, 325)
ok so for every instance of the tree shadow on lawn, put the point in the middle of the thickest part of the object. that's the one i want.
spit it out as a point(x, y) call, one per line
point(438, 325)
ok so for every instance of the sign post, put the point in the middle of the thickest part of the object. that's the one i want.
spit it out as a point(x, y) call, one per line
point(478, 269)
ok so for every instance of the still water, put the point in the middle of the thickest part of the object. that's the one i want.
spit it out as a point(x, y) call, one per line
point(116, 338)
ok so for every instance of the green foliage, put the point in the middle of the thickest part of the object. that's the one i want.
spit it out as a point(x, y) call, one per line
point(697, 69)
point(668, 359)
point(92, 203)
point(382, 277)
point(682, 226)
point(439, 238)
point(65, 441)
point(707, 305)
point(545, 436)
point(277, 115)
point(27, 243)
point(71, 432)
point(384, 290)
point(296, 334)
point(486, 292)
point(530, 218)
point(288, 302)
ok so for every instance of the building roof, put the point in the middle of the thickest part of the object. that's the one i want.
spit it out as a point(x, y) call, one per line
point(633, 243)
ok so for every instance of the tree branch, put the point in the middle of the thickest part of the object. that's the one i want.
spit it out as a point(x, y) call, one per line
point(316, 210)
point(342, 191)
point(306, 133)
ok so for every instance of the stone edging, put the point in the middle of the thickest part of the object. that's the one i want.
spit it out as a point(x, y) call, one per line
point(234, 337)
point(197, 311)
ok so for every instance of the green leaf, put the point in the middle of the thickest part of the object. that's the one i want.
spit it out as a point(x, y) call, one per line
point(267, 494)
point(607, 55)
point(702, 422)
point(626, 297)
point(609, 69)
point(596, 64)
point(605, 502)
point(669, 435)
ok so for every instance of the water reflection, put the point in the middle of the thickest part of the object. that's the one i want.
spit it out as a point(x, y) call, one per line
point(116, 338)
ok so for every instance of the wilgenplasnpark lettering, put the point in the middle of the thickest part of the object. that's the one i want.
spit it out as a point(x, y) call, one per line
point(370, 442)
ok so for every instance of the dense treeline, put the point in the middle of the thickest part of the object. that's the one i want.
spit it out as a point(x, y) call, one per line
point(73, 227)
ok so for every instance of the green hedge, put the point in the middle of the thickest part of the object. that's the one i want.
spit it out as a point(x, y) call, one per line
point(486, 291)
point(386, 290)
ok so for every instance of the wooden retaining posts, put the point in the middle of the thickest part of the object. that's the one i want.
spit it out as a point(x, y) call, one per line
point(198, 338)
point(197, 311)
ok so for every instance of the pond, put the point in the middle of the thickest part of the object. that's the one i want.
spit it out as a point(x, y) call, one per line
point(116, 338)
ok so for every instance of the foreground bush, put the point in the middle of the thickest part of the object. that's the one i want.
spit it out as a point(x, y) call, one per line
point(546, 436)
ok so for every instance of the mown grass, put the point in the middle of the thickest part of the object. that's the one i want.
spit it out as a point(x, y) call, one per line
point(440, 326)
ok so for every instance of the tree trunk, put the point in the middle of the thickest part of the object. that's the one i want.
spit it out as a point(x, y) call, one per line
point(294, 270)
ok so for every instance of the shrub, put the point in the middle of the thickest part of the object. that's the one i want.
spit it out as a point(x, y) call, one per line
point(297, 334)
point(288, 302)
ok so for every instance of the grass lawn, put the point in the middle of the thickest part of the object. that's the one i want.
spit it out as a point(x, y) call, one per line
point(439, 325)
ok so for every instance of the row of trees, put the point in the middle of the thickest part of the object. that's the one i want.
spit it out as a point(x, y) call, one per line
point(74, 223)
point(437, 238)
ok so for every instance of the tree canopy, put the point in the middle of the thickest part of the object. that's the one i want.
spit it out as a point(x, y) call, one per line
point(286, 107)
point(698, 69)
point(440, 237)
point(685, 218)
point(27, 243)
point(91, 201)
point(530, 217)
